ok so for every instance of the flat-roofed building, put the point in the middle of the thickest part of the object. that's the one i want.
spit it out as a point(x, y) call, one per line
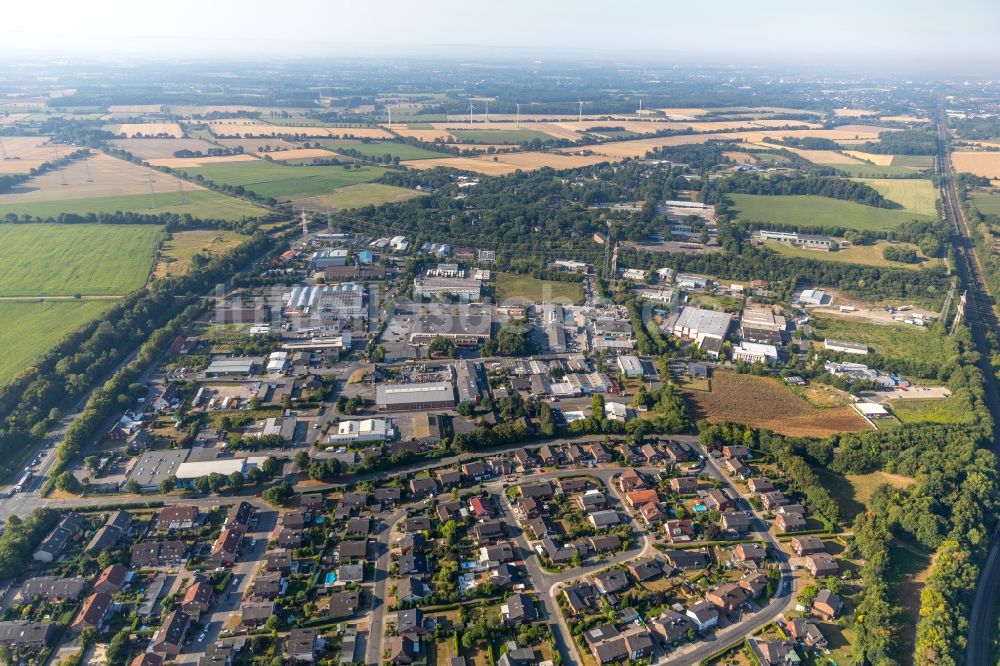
point(245, 365)
point(467, 382)
point(698, 324)
point(845, 347)
point(411, 397)
point(467, 326)
point(462, 289)
point(363, 430)
point(753, 352)
point(630, 366)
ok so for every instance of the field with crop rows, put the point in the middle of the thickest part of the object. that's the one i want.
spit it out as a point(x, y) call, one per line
point(269, 179)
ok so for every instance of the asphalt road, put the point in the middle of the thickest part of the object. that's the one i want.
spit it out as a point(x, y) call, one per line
point(376, 627)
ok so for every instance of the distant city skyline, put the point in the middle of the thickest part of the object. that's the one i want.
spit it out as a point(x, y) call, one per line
point(891, 35)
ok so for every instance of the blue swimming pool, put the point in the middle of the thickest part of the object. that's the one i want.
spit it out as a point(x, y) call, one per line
point(331, 578)
point(698, 508)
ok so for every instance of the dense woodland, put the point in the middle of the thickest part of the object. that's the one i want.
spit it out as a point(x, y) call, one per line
point(917, 141)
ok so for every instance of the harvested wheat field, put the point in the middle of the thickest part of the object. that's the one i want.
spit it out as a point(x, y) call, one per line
point(13, 118)
point(502, 164)
point(821, 156)
point(135, 108)
point(854, 113)
point(97, 176)
point(132, 130)
point(192, 162)
point(980, 163)
point(154, 149)
point(258, 145)
point(740, 158)
point(878, 160)
point(683, 114)
point(764, 402)
point(300, 154)
point(422, 134)
point(24, 153)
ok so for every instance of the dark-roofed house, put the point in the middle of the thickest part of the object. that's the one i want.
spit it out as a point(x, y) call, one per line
point(300, 646)
point(198, 599)
point(353, 550)
point(807, 545)
point(670, 627)
point(735, 521)
point(718, 500)
point(151, 659)
point(644, 570)
point(496, 554)
point(169, 638)
point(410, 589)
point(488, 531)
point(410, 621)
point(412, 563)
point(267, 585)
point(684, 485)
point(105, 538)
point(344, 604)
point(403, 650)
point(601, 519)
point(359, 526)
point(423, 486)
point(611, 581)
point(474, 471)
point(773, 652)
point(703, 615)
point(112, 579)
point(754, 584)
point(418, 524)
point(760, 485)
point(158, 553)
point(540, 490)
point(821, 564)
point(686, 560)
point(279, 560)
point(558, 554)
point(412, 541)
point(518, 609)
point(177, 517)
point(21, 634)
point(807, 632)
point(449, 478)
point(388, 495)
point(53, 545)
point(790, 522)
point(608, 645)
point(52, 588)
point(256, 613)
point(539, 527)
point(753, 552)
point(827, 605)
point(605, 543)
point(580, 597)
point(93, 613)
point(726, 597)
point(450, 510)
point(226, 548)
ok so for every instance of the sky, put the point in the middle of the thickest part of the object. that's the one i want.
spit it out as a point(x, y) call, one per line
point(876, 33)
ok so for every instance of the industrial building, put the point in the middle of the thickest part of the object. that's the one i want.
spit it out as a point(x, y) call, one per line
point(845, 347)
point(467, 382)
point(806, 241)
point(698, 324)
point(555, 329)
point(332, 302)
point(433, 288)
point(188, 472)
point(466, 326)
point(327, 258)
point(752, 352)
point(243, 365)
point(363, 430)
point(630, 366)
point(410, 397)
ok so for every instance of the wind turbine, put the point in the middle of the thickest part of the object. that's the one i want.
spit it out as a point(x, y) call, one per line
point(640, 107)
point(517, 118)
point(487, 111)
point(388, 108)
point(580, 113)
point(471, 108)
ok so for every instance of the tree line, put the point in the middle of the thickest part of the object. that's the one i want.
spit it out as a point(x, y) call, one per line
point(782, 185)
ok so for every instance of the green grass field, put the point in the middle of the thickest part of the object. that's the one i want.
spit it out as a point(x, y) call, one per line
point(31, 328)
point(382, 148)
point(953, 409)
point(987, 202)
point(902, 342)
point(814, 211)
point(356, 196)
point(67, 259)
point(201, 203)
point(914, 161)
point(500, 136)
point(869, 255)
point(511, 286)
point(872, 170)
point(177, 254)
point(854, 491)
point(916, 195)
point(270, 179)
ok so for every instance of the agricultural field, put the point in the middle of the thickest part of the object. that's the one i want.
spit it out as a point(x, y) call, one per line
point(297, 155)
point(499, 136)
point(68, 259)
point(953, 409)
point(764, 402)
point(913, 161)
point(257, 145)
point(101, 183)
point(176, 252)
point(31, 328)
point(133, 130)
point(499, 165)
point(865, 170)
point(814, 211)
point(511, 287)
point(987, 201)
point(980, 163)
point(24, 153)
point(182, 163)
point(901, 342)
point(148, 149)
point(240, 127)
point(382, 148)
point(869, 255)
point(917, 195)
point(356, 196)
point(270, 179)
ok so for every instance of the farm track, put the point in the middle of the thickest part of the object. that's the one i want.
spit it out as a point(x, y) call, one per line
point(980, 313)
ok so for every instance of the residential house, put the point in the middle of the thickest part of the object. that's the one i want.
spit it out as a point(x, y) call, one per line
point(726, 597)
point(403, 650)
point(754, 584)
point(177, 517)
point(488, 531)
point(301, 646)
point(496, 554)
point(686, 560)
point(518, 609)
point(592, 500)
point(418, 524)
point(344, 604)
point(807, 632)
point(679, 531)
point(604, 543)
point(158, 553)
point(602, 519)
point(410, 589)
point(226, 548)
point(653, 513)
point(827, 605)
point(611, 581)
point(760, 485)
point(94, 612)
point(450, 510)
point(482, 507)
point(112, 579)
point(267, 586)
point(753, 552)
point(703, 615)
point(412, 563)
point(423, 486)
point(821, 564)
point(790, 522)
point(449, 478)
point(670, 627)
point(807, 545)
point(735, 521)
point(198, 598)
point(719, 500)
point(637, 498)
point(773, 652)
point(684, 485)
point(580, 597)
point(644, 570)
point(169, 638)
point(773, 499)
point(256, 613)
point(360, 526)
point(53, 545)
point(630, 480)
point(352, 550)
point(52, 588)
point(410, 621)
point(279, 560)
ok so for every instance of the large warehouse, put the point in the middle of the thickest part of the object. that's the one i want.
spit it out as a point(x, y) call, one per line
point(410, 397)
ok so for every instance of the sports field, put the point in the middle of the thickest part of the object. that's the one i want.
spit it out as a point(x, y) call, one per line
point(31, 328)
point(869, 255)
point(67, 259)
point(917, 195)
point(764, 402)
point(356, 196)
point(815, 211)
point(177, 252)
point(512, 287)
point(383, 148)
point(269, 179)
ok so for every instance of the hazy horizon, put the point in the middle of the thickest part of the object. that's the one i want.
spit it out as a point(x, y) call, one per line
point(894, 35)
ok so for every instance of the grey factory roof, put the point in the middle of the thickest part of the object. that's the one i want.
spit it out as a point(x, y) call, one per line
point(405, 394)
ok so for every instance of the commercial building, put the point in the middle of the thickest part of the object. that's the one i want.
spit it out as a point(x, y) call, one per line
point(329, 302)
point(433, 288)
point(630, 366)
point(845, 347)
point(467, 382)
point(326, 258)
point(467, 326)
point(244, 365)
point(364, 430)
point(806, 241)
point(411, 397)
point(752, 352)
point(698, 324)
point(188, 472)
point(553, 319)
